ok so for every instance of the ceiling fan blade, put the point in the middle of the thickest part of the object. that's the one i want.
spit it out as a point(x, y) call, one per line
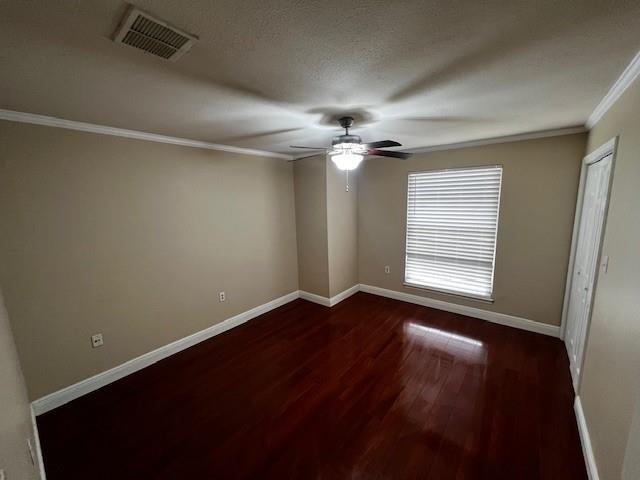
point(383, 144)
point(302, 158)
point(387, 153)
point(308, 148)
point(252, 136)
point(440, 119)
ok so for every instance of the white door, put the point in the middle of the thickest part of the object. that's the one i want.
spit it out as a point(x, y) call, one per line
point(587, 253)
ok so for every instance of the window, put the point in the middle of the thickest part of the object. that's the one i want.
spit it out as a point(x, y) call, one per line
point(452, 221)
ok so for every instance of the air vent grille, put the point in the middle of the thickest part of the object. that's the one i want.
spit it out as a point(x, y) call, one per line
point(142, 31)
point(159, 32)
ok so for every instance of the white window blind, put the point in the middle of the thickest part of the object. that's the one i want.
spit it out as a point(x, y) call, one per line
point(452, 221)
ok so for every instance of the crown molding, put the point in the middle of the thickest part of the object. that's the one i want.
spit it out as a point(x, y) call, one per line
point(617, 89)
point(506, 139)
point(35, 119)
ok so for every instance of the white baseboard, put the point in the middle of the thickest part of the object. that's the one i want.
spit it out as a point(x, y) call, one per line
point(36, 438)
point(585, 440)
point(312, 297)
point(329, 302)
point(344, 295)
point(65, 395)
point(494, 317)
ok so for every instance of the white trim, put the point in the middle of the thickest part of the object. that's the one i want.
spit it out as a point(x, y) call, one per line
point(615, 92)
point(505, 139)
point(494, 317)
point(36, 438)
point(344, 295)
point(329, 302)
point(597, 154)
point(585, 441)
point(65, 395)
point(35, 119)
point(602, 151)
point(312, 297)
point(451, 293)
point(608, 148)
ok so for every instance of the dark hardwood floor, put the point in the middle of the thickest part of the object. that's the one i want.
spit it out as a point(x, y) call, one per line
point(371, 389)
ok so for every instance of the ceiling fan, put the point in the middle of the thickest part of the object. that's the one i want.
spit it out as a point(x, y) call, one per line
point(347, 151)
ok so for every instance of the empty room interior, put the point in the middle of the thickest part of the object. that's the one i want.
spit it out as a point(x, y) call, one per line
point(320, 240)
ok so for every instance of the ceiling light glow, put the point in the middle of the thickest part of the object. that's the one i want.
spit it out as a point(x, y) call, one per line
point(347, 161)
point(347, 156)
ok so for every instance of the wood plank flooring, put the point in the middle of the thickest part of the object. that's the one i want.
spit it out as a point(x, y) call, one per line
point(373, 388)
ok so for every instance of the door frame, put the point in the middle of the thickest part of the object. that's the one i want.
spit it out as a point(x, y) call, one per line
point(608, 148)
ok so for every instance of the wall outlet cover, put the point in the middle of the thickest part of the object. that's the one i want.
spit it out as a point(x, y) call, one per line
point(97, 340)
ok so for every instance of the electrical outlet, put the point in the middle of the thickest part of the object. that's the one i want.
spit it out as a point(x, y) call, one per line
point(97, 340)
point(222, 296)
point(387, 269)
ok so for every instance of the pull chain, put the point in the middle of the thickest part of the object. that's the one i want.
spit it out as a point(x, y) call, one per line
point(347, 176)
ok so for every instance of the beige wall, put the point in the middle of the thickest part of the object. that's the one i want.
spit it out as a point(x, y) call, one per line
point(326, 223)
point(133, 239)
point(631, 467)
point(539, 187)
point(611, 372)
point(310, 178)
point(15, 415)
point(342, 229)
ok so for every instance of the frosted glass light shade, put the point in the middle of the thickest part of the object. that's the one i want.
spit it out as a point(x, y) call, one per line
point(347, 161)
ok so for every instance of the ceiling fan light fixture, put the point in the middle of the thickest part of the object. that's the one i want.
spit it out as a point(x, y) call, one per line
point(347, 156)
point(347, 151)
point(346, 161)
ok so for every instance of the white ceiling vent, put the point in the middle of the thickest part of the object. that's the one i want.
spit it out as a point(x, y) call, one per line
point(144, 32)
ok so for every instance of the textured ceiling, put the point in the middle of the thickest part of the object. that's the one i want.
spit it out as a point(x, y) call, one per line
point(266, 74)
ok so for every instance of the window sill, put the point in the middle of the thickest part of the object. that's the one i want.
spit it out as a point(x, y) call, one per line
point(450, 293)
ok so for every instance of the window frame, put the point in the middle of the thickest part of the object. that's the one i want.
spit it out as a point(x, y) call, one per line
point(443, 291)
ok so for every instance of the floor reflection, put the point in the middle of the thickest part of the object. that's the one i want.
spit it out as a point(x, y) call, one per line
point(435, 335)
point(371, 389)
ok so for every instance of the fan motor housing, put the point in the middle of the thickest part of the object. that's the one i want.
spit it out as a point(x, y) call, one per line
point(346, 139)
